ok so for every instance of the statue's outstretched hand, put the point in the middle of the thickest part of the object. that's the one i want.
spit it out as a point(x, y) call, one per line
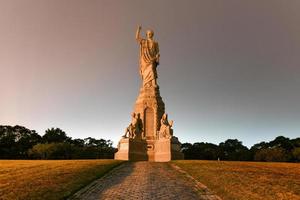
point(137, 35)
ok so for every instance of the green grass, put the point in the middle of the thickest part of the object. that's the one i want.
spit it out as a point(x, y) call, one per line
point(48, 179)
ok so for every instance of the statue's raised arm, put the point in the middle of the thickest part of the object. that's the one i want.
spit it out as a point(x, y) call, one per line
point(149, 57)
point(137, 35)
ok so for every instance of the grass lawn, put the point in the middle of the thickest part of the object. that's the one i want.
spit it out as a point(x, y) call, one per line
point(247, 180)
point(48, 179)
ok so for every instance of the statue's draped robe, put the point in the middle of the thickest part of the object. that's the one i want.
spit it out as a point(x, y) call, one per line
point(164, 125)
point(148, 60)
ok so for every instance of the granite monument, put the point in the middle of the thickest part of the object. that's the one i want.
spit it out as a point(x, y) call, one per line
point(149, 136)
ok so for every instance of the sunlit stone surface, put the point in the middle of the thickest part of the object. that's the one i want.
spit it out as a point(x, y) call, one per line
point(149, 136)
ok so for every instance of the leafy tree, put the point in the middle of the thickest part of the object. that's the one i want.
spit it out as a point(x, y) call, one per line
point(92, 142)
point(275, 154)
point(204, 151)
point(259, 146)
point(233, 149)
point(55, 135)
point(185, 146)
point(282, 142)
point(77, 142)
point(296, 142)
point(186, 150)
point(15, 141)
point(255, 148)
point(296, 154)
point(74, 149)
point(52, 151)
point(281, 145)
point(97, 148)
point(18, 142)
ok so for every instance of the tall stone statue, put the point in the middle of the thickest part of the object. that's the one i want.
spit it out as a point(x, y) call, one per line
point(149, 58)
point(149, 136)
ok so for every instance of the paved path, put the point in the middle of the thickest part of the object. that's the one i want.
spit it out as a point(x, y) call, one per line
point(145, 180)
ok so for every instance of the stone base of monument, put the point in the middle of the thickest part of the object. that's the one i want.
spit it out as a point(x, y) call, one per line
point(131, 149)
point(123, 148)
point(161, 150)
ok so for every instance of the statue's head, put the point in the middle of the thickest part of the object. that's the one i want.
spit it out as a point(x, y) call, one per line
point(138, 115)
point(165, 116)
point(133, 114)
point(149, 34)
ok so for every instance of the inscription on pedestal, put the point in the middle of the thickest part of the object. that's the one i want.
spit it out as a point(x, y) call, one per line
point(149, 123)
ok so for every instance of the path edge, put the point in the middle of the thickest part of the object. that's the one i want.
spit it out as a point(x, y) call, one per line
point(86, 188)
point(209, 195)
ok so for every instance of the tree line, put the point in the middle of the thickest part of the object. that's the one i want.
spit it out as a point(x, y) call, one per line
point(18, 142)
point(281, 149)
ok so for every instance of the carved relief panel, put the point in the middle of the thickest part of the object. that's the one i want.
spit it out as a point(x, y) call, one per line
point(149, 123)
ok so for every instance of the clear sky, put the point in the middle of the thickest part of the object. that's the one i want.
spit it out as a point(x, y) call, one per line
point(229, 69)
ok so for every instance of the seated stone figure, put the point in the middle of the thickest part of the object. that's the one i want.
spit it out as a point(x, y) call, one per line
point(165, 130)
point(135, 128)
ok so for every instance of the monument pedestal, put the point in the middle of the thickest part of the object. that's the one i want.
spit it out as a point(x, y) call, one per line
point(151, 144)
point(161, 150)
point(132, 149)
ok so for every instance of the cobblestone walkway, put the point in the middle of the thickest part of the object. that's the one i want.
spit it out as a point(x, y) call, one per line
point(145, 180)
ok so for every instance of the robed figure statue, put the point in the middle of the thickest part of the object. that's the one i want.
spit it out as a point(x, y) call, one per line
point(149, 58)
